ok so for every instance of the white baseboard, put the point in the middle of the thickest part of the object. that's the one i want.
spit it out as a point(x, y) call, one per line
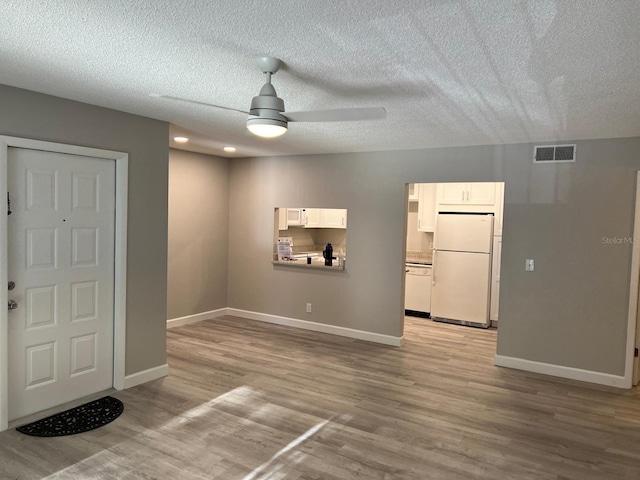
point(319, 327)
point(198, 317)
point(146, 376)
point(563, 372)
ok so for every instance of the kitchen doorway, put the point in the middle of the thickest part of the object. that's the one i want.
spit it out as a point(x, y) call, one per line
point(459, 259)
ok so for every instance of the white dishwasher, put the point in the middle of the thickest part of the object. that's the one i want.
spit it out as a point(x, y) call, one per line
point(417, 293)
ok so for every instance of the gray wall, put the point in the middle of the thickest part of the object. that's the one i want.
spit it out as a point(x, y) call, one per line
point(571, 311)
point(198, 233)
point(32, 115)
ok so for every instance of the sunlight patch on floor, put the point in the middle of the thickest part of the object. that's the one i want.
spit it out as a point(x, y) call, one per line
point(270, 470)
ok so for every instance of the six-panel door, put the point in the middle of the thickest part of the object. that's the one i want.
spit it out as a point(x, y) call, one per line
point(61, 258)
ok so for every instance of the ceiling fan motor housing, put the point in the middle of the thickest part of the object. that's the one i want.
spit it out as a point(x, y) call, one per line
point(266, 108)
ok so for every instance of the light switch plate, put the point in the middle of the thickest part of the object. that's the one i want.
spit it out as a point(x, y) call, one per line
point(529, 265)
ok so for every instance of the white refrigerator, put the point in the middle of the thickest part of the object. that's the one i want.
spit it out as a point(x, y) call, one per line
point(461, 283)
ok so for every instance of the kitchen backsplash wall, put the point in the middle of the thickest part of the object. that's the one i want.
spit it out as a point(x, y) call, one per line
point(315, 239)
point(336, 236)
point(419, 257)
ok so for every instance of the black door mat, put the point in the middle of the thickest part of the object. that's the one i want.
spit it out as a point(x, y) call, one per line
point(76, 420)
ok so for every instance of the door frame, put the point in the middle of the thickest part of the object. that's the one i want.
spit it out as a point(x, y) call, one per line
point(633, 335)
point(120, 281)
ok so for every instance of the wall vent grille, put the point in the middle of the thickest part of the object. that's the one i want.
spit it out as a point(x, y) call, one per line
point(554, 153)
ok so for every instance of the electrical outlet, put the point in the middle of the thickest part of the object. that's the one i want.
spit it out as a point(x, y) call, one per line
point(529, 265)
point(308, 308)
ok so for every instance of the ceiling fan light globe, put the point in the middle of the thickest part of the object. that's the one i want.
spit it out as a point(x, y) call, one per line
point(266, 127)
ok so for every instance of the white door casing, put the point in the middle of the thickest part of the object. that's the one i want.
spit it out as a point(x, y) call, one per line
point(631, 371)
point(83, 291)
point(495, 277)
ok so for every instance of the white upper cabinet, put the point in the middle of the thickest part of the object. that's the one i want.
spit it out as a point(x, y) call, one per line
point(312, 218)
point(333, 217)
point(325, 218)
point(497, 225)
point(452, 193)
point(282, 219)
point(481, 193)
point(427, 207)
point(414, 192)
point(467, 197)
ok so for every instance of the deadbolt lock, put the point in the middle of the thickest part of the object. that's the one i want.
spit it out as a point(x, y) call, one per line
point(12, 285)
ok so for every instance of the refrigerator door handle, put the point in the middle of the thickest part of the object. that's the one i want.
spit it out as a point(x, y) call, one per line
point(433, 268)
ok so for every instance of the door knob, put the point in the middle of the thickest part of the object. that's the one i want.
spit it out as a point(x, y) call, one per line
point(13, 305)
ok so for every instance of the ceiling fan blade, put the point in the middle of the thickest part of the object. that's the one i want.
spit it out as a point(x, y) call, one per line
point(186, 100)
point(337, 115)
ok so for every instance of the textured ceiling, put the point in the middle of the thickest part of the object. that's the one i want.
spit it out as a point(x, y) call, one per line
point(448, 72)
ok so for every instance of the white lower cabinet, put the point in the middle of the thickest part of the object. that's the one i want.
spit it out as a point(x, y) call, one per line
point(417, 296)
point(495, 278)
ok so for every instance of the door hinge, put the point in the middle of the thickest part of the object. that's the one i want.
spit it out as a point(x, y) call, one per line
point(635, 352)
point(8, 204)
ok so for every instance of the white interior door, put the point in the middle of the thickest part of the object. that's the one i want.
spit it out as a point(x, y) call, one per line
point(61, 259)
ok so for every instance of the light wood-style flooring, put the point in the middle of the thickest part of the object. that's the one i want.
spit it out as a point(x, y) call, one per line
point(248, 400)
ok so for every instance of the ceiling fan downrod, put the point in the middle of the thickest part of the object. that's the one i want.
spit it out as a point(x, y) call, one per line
point(265, 117)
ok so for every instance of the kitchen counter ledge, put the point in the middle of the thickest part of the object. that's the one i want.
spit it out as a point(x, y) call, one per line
point(302, 263)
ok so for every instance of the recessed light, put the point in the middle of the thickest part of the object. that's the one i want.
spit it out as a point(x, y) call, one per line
point(230, 149)
point(181, 139)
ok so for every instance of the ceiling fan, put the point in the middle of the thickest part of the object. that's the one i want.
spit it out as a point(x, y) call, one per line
point(267, 117)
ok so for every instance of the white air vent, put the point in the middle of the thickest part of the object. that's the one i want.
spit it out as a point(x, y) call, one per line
point(554, 153)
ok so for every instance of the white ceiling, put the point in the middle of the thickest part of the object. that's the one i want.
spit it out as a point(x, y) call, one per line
point(448, 72)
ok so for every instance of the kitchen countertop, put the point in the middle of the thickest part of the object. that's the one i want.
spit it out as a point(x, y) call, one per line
point(419, 257)
point(317, 263)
